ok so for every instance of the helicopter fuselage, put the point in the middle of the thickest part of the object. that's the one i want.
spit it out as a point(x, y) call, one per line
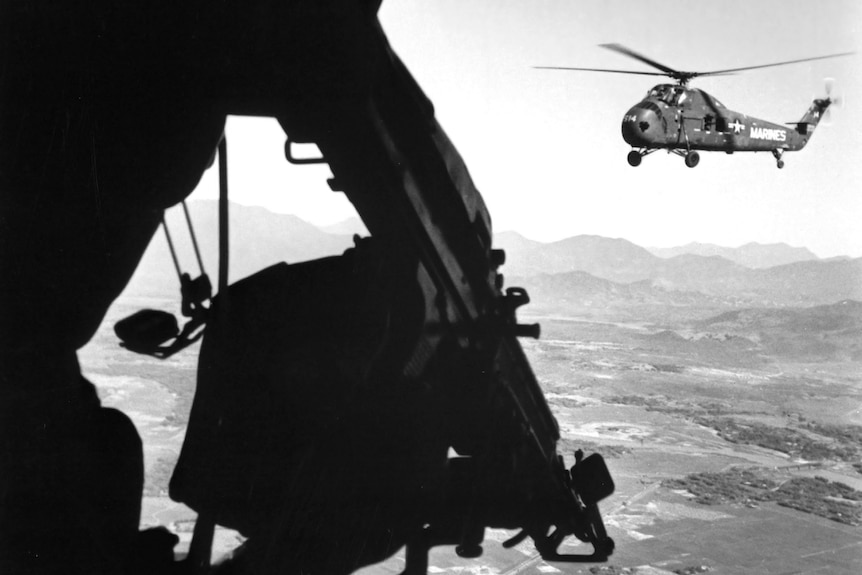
point(674, 117)
point(683, 120)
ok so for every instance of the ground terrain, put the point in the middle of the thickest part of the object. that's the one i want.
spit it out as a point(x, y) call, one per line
point(729, 454)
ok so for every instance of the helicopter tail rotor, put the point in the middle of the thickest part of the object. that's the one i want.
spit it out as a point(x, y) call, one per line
point(830, 102)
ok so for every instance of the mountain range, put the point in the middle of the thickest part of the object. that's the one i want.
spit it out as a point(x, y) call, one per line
point(258, 239)
point(750, 255)
point(579, 267)
point(806, 282)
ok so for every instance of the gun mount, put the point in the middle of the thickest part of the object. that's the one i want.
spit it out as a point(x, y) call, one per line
point(402, 349)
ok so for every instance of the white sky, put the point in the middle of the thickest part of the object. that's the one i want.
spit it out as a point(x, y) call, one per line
point(545, 149)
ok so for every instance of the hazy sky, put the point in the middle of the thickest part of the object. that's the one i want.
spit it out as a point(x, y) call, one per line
point(545, 149)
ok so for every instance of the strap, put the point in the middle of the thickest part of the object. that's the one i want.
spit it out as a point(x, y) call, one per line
point(171, 245)
point(194, 238)
point(223, 244)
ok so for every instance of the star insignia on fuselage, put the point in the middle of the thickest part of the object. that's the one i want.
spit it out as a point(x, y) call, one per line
point(737, 126)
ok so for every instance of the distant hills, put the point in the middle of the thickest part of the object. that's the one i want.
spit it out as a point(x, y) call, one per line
point(258, 238)
point(580, 294)
point(805, 283)
point(614, 259)
point(349, 227)
point(585, 268)
point(751, 255)
point(822, 332)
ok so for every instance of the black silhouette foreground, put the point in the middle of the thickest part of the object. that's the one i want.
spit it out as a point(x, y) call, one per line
point(333, 395)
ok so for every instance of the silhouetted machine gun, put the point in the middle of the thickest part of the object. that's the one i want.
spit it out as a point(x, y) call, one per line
point(352, 405)
point(346, 407)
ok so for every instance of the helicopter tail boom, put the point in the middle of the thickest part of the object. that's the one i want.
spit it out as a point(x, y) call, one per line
point(805, 126)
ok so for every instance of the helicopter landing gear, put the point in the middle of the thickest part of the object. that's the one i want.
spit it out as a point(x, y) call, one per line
point(692, 159)
point(778, 161)
point(635, 156)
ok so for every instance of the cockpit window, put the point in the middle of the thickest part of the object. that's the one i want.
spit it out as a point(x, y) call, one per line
point(662, 92)
point(671, 95)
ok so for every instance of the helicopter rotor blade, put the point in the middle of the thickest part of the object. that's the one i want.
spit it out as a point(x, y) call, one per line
point(684, 77)
point(600, 70)
point(619, 48)
point(829, 83)
point(744, 68)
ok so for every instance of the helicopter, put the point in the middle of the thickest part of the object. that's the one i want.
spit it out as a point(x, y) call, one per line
point(684, 120)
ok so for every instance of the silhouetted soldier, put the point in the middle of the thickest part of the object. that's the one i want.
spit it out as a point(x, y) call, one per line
point(99, 132)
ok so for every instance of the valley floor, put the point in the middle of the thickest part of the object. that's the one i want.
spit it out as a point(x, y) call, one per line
point(670, 414)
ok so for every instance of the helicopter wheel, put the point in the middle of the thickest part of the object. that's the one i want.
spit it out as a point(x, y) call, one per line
point(780, 164)
point(634, 158)
point(692, 159)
